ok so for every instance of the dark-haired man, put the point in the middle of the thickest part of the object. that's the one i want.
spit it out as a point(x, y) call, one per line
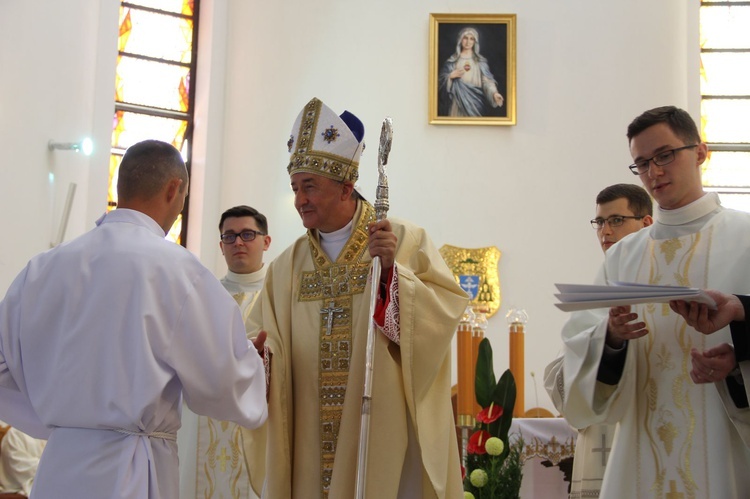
point(243, 239)
point(621, 209)
point(315, 308)
point(632, 365)
point(102, 337)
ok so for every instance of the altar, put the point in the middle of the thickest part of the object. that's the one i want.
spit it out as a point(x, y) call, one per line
point(549, 444)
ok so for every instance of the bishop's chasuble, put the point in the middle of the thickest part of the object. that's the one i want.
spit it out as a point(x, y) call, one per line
point(673, 438)
point(316, 313)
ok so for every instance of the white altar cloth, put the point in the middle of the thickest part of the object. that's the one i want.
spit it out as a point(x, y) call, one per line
point(549, 441)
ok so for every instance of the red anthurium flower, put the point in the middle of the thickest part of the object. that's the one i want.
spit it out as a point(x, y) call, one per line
point(477, 441)
point(490, 414)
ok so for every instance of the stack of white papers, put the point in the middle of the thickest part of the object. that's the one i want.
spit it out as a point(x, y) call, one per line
point(586, 296)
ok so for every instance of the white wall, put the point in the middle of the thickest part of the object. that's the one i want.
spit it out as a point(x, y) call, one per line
point(58, 66)
point(585, 69)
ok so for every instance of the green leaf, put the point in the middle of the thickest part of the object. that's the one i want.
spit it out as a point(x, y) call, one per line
point(505, 396)
point(484, 382)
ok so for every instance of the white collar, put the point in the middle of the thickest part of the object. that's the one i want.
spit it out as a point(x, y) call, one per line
point(337, 235)
point(333, 242)
point(250, 278)
point(125, 215)
point(693, 211)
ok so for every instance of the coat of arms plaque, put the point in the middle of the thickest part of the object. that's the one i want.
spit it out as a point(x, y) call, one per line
point(476, 271)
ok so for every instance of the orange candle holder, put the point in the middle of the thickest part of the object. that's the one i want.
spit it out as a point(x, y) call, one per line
point(517, 319)
point(466, 370)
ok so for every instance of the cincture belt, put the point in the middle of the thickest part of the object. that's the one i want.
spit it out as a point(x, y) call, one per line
point(153, 434)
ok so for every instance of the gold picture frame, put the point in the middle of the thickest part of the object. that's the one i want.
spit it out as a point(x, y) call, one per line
point(465, 76)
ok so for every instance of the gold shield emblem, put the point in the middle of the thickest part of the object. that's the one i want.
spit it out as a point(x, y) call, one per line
point(476, 271)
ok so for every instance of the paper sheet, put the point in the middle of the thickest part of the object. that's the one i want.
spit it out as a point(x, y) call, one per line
point(584, 296)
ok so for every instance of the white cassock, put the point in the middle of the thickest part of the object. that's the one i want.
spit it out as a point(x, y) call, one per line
point(674, 438)
point(221, 469)
point(100, 338)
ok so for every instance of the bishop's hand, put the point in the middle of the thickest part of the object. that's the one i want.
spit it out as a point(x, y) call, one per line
point(383, 244)
point(259, 341)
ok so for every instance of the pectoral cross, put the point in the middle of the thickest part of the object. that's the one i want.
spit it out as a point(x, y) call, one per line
point(330, 311)
point(603, 449)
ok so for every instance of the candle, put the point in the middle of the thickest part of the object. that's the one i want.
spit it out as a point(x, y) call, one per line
point(466, 370)
point(517, 319)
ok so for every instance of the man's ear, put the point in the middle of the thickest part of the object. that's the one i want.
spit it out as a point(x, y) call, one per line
point(173, 189)
point(702, 150)
point(647, 220)
point(348, 187)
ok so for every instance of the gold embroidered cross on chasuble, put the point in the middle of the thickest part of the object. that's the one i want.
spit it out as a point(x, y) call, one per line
point(334, 284)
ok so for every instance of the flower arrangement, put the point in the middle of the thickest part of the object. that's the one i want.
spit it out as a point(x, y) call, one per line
point(493, 465)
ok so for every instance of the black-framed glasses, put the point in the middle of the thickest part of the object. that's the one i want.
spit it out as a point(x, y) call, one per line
point(613, 221)
point(642, 166)
point(246, 235)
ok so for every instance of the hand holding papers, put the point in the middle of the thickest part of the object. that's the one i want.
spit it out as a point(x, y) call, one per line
point(584, 296)
point(729, 308)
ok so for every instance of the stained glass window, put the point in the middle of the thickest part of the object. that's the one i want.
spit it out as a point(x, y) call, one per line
point(725, 99)
point(153, 95)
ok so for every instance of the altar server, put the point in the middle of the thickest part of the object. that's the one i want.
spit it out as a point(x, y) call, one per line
point(631, 365)
point(621, 209)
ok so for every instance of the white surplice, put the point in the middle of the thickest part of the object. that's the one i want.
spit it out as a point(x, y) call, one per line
point(674, 438)
point(100, 338)
point(245, 288)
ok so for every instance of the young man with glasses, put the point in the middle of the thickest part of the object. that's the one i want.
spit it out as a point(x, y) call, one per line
point(243, 239)
point(621, 209)
point(635, 365)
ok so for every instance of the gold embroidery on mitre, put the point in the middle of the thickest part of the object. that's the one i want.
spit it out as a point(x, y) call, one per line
point(330, 134)
point(334, 284)
point(305, 157)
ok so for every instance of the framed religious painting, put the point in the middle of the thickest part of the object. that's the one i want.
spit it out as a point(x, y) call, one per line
point(472, 69)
